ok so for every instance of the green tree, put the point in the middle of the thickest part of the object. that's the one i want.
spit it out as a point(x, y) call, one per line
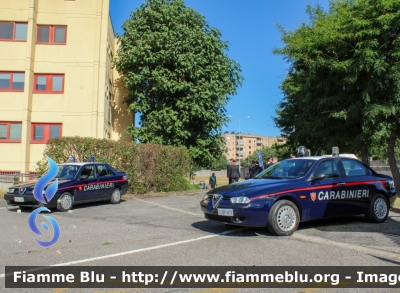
point(266, 151)
point(219, 163)
point(179, 77)
point(343, 87)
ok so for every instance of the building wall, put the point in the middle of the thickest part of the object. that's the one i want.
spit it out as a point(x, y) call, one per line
point(243, 145)
point(122, 116)
point(89, 104)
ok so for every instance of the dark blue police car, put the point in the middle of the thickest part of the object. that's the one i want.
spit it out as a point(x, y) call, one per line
point(77, 183)
point(302, 189)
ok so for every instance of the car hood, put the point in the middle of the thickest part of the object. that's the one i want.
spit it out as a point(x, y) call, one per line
point(31, 184)
point(252, 187)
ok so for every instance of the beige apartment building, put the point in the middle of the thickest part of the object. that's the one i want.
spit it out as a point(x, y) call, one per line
point(243, 145)
point(56, 77)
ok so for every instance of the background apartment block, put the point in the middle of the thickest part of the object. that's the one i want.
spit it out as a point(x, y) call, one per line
point(243, 145)
point(56, 77)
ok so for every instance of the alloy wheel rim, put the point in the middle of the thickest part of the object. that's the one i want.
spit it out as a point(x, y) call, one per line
point(286, 218)
point(380, 208)
point(116, 195)
point(66, 202)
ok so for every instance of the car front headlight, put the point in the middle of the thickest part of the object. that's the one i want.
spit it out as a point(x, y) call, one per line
point(240, 199)
point(11, 190)
point(205, 197)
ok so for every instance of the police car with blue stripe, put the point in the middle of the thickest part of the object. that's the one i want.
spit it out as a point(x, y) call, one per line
point(77, 183)
point(302, 189)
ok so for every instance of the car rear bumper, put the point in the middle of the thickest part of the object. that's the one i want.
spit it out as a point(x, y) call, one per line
point(124, 189)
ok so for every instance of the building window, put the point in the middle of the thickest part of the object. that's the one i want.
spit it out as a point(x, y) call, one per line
point(49, 83)
point(12, 81)
point(51, 34)
point(10, 131)
point(41, 132)
point(109, 113)
point(13, 31)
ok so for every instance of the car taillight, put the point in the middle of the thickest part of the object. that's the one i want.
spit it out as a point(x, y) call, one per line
point(389, 184)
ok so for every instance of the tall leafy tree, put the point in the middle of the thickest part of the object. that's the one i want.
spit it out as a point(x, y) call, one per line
point(344, 81)
point(179, 77)
point(266, 151)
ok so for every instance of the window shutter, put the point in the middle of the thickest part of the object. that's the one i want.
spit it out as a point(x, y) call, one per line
point(15, 131)
point(21, 31)
point(57, 83)
point(3, 131)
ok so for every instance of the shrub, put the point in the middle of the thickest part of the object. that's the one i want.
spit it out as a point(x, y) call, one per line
point(149, 167)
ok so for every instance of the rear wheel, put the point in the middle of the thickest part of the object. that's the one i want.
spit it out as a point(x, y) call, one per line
point(283, 218)
point(378, 210)
point(65, 202)
point(116, 196)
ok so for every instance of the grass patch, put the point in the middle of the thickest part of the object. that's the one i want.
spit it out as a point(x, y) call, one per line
point(221, 180)
point(106, 243)
point(397, 203)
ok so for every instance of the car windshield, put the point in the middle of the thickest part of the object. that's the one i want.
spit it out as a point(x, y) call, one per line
point(287, 169)
point(67, 171)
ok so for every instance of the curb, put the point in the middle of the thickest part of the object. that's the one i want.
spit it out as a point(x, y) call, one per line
point(164, 194)
point(396, 210)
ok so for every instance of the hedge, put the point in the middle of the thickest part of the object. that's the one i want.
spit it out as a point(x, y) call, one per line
point(150, 168)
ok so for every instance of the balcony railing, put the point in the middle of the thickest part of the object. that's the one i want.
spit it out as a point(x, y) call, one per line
point(17, 177)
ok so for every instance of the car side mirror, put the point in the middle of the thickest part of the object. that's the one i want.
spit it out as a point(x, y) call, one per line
point(83, 177)
point(318, 176)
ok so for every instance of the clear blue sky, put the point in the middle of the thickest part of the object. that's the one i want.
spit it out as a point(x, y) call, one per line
point(250, 27)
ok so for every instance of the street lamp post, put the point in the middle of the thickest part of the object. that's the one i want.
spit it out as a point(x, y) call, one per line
point(246, 117)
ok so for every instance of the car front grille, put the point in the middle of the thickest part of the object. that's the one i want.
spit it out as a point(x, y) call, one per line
point(223, 198)
point(217, 218)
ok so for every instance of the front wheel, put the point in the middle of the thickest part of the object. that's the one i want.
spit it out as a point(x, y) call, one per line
point(116, 196)
point(65, 202)
point(284, 218)
point(378, 210)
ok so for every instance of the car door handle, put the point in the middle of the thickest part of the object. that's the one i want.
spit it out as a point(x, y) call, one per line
point(341, 183)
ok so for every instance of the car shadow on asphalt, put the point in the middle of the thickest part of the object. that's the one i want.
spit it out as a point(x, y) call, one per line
point(17, 209)
point(356, 224)
point(350, 224)
point(93, 204)
point(387, 260)
point(219, 228)
point(14, 209)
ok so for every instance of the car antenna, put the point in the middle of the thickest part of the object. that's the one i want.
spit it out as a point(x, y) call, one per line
point(318, 152)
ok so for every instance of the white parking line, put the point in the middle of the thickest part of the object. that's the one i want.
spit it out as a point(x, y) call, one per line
point(141, 249)
point(359, 248)
point(169, 208)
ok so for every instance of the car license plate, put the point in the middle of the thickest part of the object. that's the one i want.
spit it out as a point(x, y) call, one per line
point(18, 199)
point(225, 212)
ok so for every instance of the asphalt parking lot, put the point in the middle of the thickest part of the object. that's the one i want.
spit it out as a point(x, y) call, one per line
point(171, 231)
